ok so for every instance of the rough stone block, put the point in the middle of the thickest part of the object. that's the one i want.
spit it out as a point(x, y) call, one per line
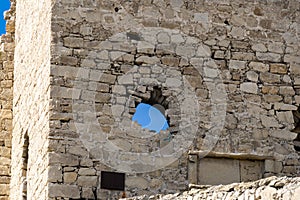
point(203, 51)
point(272, 98)
point(119, 89)
point(107, 78)
point(219, 54)
point(4, 189)
point(285, 117)
point(269, 165)
point(87, 193)
point(147, 60)
point(252, 76)
point(269, 78)
point(186, 51)
point(237, 64)
point(55, 173)
point(270, 89)
point(63, 159)
point(278, 68)
point(251, 170)
point(295, 69)
point(291, 59)
point(260, 47)
point(67, 191)
point(243, 56)
point(139, 182)
point(272, 57)
point(276, 47)
point(249, 87)
point(70, 177)
point(269, 122)
point(286, 90)
point(73, 42)
point(163, 37)
point(170, 61)
point(283, 134)
point(145, 47)
point(87, 172)
point(259, 66)
point(87, 181)
point(218, 171)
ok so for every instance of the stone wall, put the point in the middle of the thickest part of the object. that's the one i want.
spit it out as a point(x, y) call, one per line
point(265, 189)
point(107, 56)
point(29, 165)
point(225, 73)
point(6, 96)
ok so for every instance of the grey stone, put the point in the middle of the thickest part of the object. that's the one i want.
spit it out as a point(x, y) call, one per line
point(163, 37)
point(284, 134)
point(225, 170)
point(249, 87)
point(272, 57)
point(145, 47)
point(87, 181)
point(119, 89)
point(210, 72)
point(237, 32)
point(286, 90)
point(126, 79)
point(147, 60)
point(186, 51)
point(177, 39)
point(67, 191)
point(285, 117)
point(203, 51)
point(276, 47)
point(70, 177)
point(87, 172)
point(73, 42)
point(259, 66)
point(237, 64)
point(295, 69)
point(269, 122)
point(259, 47)
point(173, 82)
point(252, 76)
point(291, 58)
point(219, 54)
point(269, 77)
point(137, 182)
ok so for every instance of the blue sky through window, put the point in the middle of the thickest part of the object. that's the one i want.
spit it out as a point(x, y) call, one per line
point(150, 118)
point(4, 5)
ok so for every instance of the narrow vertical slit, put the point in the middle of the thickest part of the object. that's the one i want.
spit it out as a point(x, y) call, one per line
point(25, 157)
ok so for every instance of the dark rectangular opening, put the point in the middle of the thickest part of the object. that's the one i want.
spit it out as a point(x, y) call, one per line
point(112, 181)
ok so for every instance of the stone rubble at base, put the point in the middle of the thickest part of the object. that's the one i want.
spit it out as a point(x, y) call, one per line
point(265, 189)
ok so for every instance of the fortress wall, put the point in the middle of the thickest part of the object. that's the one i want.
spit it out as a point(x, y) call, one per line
point(29, 166)
point(253, 47)
point(6, 97)
point(80, 60)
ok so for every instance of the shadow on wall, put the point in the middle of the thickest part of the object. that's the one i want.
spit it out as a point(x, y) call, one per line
point(296, 115)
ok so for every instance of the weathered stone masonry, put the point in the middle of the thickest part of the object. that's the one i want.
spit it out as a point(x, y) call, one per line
point(253, 47)
point(31, 101)
point(6, 96)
